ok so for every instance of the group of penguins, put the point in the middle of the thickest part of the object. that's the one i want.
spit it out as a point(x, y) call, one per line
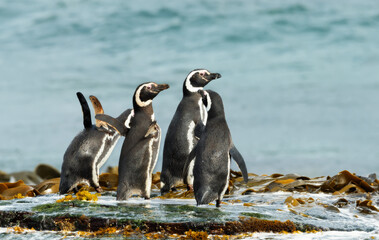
point(197, 150)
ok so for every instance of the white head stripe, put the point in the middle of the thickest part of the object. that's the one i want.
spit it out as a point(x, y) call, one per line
point(138, 98)
point(188, 81)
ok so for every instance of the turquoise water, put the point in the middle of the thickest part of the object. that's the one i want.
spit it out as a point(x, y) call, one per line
point(300, 78)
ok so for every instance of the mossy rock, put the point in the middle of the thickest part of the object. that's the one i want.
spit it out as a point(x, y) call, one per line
point(255, 215)
point(59, 207)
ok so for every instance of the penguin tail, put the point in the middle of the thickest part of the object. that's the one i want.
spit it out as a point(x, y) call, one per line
point(87, 122)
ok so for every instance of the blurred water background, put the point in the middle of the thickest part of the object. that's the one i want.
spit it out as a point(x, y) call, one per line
point(300, 79)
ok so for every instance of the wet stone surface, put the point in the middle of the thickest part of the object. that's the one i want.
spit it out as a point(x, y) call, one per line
point(276, 203)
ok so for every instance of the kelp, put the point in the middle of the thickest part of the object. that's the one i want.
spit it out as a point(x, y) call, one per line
point(342, 183)
point(18, 189)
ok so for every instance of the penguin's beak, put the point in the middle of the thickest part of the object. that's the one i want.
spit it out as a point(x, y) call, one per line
point(212, 76)
point(160, 87)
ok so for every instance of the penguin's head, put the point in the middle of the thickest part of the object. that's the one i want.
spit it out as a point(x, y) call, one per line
point(146, 92)
point(197, 79)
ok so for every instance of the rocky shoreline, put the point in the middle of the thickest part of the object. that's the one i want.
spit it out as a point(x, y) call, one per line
point(277, 203)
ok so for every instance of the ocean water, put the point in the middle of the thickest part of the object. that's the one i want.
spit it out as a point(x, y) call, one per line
point(300, 79)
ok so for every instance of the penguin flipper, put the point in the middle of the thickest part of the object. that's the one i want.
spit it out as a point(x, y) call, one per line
point(87, 122)
point(103, 129)
point(98, 109)
point(190, 159)
point(152, 131)
point(236, 155)
point(199, 128)
point(113, 122)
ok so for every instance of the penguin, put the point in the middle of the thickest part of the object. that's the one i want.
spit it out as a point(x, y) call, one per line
point(189, 118)
point(139, 151)
point(213, 154)
point(89, 150)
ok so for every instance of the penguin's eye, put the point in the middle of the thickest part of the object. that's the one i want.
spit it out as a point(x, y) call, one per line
point(148, 87)
point(201, 74)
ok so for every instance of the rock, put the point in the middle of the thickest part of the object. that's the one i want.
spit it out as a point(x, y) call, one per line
point(332, 209)
point(4, 177)
point(46, 171)
point(113, 170)
point(16, 190)
point(30, 178)
point(341, 203)
point(108, 181)
point(345, 182)
point(49, 186)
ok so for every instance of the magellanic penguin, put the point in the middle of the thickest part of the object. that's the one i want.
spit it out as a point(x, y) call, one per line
point(139, 151)
point(89, 150)
point(190, 117)
point(213, 152)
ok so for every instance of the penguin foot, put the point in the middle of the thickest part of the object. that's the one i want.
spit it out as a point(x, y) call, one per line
point(99, 189)
point(218, 203)
point(147, 198)
point(190, 187)
point(174, 189)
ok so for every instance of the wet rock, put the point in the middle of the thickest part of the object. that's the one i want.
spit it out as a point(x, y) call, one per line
point(108, 181)
point(30, 178)
point(341, 203)
point(248, 192)
point(276, 175)
point(45, 171)
point(4, 177)
point(16, 190)
point(290, 201)
point(113, 170)
point(331, 208)
point(303, 178)
point(178, 194)
point(84, 223)
point(156, 178)
point(49, 186)
point(366, 206)
point(345, 182)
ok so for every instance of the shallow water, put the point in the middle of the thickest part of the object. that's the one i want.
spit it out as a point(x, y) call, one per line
point(347, 222)
point(335, 235)
point(267, 206)
point(300, 79)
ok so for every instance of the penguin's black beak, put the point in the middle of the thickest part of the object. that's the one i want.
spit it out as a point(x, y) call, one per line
point(160, 87)
point(212, 76)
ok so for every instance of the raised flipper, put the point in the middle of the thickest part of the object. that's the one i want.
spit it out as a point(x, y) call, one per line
point(87, 122)
point(236, 155)
point(98, 110)
point(113, 122)
point(127, 114)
